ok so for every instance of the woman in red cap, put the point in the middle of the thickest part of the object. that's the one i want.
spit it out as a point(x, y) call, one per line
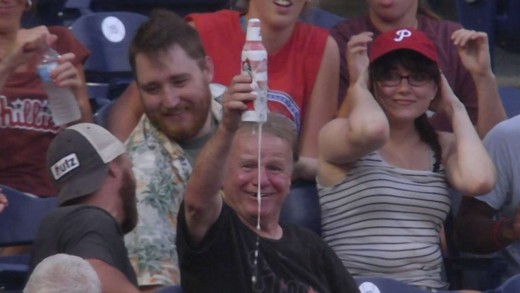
point(384, 171)
point(385, 15)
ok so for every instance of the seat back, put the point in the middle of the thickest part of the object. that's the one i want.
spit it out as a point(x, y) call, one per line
point(479, 15)
point(302, 206)
point(19, 223)
point(321, 17)
point(108, 36)
point(511, 100)
point(21, 219)
point(385, 285)
point(508, 24)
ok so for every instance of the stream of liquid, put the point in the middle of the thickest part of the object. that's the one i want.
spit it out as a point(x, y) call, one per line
point(259, 201)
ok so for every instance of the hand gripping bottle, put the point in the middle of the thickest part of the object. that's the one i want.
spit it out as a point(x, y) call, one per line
point(254, 63)
point(63, 104)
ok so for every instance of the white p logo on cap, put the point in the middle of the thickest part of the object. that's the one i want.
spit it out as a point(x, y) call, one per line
point(401, 34)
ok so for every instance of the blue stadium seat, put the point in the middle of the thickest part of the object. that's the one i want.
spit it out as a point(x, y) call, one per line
point(500, 19)
point(181, 7)
point(386, 285)
point(511, 100)
point(302, 206)
point(108, 36)
point(321, 17)
point(19, 225)
point(170, 289)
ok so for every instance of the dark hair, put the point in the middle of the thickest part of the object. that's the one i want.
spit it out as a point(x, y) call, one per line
point(424, 9)
point(163, 30)
point(279, 126)
point(417, 63)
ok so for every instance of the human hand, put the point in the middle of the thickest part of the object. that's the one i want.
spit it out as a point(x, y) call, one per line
point(3, 201)
point(234, 101)
point(357, 57)
point(30, 43)
point(66, 74)
point(446, 101)
point(473, 49)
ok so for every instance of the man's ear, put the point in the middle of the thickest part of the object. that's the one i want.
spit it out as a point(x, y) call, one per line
point(113, 169)
point(208, 69)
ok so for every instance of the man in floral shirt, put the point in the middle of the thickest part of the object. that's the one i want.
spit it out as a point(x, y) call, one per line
point(173, 76)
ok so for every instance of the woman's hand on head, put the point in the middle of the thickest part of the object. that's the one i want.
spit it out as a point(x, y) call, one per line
point(445, 101)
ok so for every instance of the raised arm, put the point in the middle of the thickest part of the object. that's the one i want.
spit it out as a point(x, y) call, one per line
point(29, 43)
point(202, 199)
point(125, 113)
point(320, 109)
point(365, 127)
point(473, 50)
point(469, 169)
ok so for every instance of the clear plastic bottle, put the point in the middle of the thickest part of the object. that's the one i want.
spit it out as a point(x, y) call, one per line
point(254, 62)
point(63, 104)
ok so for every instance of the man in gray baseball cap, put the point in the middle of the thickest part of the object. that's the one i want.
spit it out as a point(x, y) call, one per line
point(96, 204)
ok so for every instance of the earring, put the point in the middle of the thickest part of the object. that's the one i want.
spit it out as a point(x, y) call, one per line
point(29, 4)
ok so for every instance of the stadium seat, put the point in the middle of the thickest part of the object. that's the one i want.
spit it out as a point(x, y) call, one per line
point(511, 100)
point(108, 36)
point(170, 289)
point(181, 7)
point(321, 17)
point(20, 222)
point(386, 285)
point(500, 19)
point(302, 206)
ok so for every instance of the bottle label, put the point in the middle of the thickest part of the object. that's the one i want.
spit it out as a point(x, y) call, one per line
point(253, 33)
point(44, 70)
point(254, 63)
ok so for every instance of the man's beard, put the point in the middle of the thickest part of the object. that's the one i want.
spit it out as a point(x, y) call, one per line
point(127, 195)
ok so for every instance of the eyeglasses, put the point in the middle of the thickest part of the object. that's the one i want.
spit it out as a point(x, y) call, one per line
point(394, 79)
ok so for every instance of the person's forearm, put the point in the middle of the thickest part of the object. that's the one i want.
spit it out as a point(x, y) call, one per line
point(202, 200)
point(207, 176)
point(305, 168)
point(490, 108)
point(475, 170)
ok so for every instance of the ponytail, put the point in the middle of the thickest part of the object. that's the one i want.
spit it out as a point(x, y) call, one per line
point(429, 136)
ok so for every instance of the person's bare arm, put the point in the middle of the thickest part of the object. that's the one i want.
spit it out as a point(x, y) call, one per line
point(125, 113)
point(364, 127)
point(469, 169)
point(202, 200)
point(473, 50)
point(112, 280)
point(320, 109)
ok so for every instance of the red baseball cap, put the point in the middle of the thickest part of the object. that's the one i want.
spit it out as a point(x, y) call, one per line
point(403, 38)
